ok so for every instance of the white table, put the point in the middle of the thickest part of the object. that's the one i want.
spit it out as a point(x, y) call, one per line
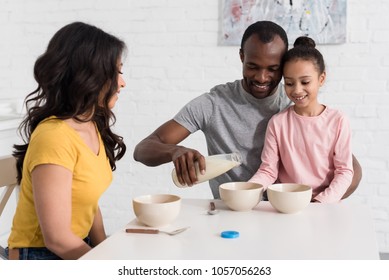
point(321, 231)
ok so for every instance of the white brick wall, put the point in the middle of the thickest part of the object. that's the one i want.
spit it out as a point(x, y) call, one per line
point(173, 56)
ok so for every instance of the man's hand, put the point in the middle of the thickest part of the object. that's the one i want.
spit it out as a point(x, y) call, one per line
point(186, 161)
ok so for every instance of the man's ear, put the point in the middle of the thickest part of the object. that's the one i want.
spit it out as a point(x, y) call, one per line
point(241, 54)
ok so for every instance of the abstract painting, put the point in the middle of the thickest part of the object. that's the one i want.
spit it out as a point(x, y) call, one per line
point(322, 20)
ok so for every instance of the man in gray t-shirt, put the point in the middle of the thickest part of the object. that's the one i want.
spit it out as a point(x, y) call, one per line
point(232, 121)
point(232, 116)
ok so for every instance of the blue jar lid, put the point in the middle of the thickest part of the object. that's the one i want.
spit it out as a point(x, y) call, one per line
point(230, 234)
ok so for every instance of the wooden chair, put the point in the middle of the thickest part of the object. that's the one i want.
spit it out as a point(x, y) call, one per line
point(8, 183)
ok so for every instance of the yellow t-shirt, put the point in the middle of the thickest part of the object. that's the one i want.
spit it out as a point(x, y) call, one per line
point(55, 142)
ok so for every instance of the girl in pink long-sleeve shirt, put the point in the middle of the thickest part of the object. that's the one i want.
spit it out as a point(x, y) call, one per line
point(307, 143)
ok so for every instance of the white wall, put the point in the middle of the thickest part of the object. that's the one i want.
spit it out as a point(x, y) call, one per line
point(174, 56)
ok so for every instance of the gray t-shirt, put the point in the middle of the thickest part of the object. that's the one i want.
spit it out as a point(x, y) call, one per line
point(232, 120)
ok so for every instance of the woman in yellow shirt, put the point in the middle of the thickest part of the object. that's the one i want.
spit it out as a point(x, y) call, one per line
point(70, 150)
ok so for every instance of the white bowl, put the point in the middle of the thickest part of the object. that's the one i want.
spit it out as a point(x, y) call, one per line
point(157, 210)
point(241, 196)
point(289, 198)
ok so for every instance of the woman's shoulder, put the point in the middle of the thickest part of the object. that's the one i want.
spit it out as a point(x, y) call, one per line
point(51, 127)
point(52, 142)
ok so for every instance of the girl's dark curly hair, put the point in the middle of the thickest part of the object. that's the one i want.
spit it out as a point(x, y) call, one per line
point(305, 48)
point(79, 66)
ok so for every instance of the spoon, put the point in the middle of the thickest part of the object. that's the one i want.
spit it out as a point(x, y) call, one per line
point(212, 209)
point(155, 231)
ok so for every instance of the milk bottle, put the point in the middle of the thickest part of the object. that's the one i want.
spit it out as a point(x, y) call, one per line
point(215, 165)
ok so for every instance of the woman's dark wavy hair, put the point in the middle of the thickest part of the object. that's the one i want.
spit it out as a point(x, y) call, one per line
point(80, 62)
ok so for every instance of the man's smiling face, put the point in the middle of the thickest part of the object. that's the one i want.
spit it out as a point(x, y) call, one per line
point(262, 69)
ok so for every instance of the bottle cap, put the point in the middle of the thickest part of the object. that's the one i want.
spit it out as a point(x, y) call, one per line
point(230, 234)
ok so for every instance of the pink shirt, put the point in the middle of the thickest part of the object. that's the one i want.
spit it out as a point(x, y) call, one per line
point(314, 151)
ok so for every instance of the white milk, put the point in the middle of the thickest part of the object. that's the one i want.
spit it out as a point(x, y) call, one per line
point(215, 165)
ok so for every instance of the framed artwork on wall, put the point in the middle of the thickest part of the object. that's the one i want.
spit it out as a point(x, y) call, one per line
point(324, 20)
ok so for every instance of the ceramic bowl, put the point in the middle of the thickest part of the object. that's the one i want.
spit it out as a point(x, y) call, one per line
point(241, 196)
point(156, 210)
point(289, 198)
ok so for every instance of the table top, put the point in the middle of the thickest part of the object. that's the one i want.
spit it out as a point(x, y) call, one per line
point(321, 231)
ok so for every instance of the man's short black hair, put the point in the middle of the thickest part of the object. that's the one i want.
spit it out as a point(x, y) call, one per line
point(266, 30)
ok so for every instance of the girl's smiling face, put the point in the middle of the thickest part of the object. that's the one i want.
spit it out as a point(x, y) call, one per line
point(302, 84)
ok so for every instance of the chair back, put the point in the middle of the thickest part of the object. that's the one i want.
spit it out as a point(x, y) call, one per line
point(8, 182)
point(8, 179)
